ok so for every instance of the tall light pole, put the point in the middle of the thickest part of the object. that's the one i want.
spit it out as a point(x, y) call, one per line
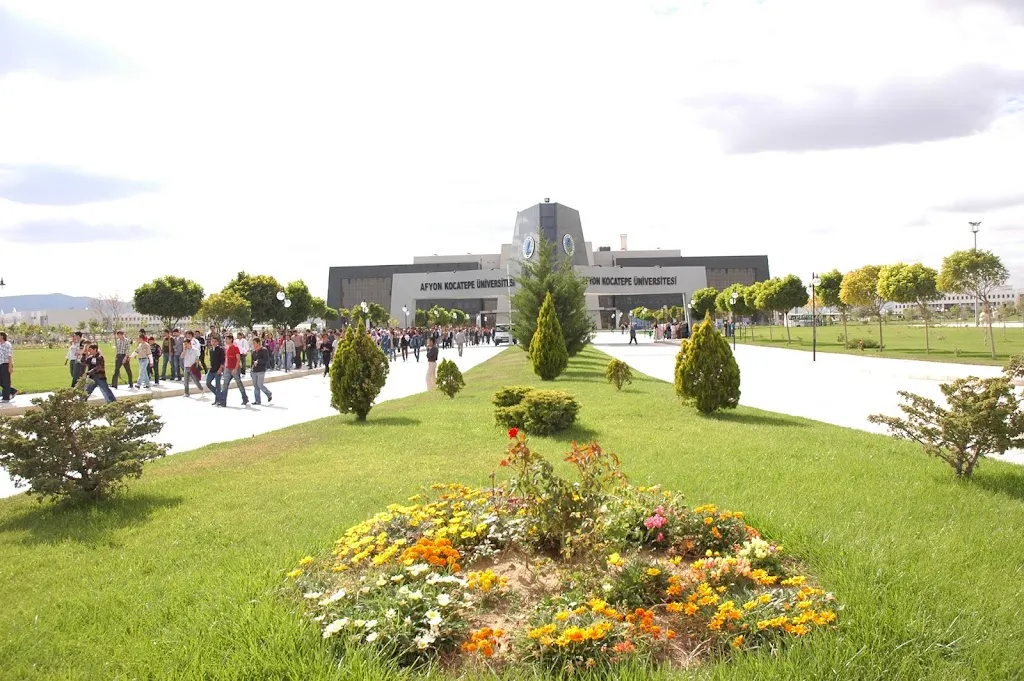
point(366, 314)
point(975, 226)
point(812, 289)
point(405, 309)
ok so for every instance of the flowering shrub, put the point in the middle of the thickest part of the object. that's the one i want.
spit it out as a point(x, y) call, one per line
point(469, 573)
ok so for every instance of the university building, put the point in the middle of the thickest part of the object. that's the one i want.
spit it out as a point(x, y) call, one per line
point(481, 285)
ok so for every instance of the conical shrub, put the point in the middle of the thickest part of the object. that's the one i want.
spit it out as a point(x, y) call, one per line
point(357, 374)
point(449, 378)
point(707, 375)
point(547, 348)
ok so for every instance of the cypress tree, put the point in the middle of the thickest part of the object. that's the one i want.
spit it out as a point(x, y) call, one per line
point(707, 375)
point(547, 347)
point(358, 373)
point(539, 277)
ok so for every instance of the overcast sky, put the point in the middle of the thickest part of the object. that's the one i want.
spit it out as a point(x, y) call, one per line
point(199, 138)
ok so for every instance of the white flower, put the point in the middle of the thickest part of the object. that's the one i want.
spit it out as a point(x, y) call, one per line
point(415, 595)
point(381, 581)
point(313, 594)
point(417, 569)
point(318, 618)
point(358, 623)
point(334, 627)
point(336, 596)
point(407, 621)
point(403, 591)
point(443, 599)
point(370, 624)
point(606, 587)
point(372, 636)
point(424, 640)
point(364, 590)
point(398, 578)
point(391, 613)
point(433, 617)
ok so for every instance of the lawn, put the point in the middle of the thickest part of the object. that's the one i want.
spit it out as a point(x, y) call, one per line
point(184, 576)
point(963, 345)
point(39, 370)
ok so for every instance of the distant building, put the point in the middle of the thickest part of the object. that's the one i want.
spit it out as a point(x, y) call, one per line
point(482, 284)
point(1004, 294)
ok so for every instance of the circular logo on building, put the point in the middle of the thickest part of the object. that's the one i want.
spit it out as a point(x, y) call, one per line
point(529, 246)
point(568, 245)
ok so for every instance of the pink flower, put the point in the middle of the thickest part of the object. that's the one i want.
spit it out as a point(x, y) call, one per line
point(654, 521)
point(661, 537)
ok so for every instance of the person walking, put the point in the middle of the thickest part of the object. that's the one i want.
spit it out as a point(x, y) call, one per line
point(6, 369)
point(232, 371)
point(243, 351)
point(632, 335)
point(405, 345)
point(431, 365)
point(198, 335)
point(73, 360)
point(189, 357)
point(289, 353)
point(416, 342)
point(154, 363)
point(178, 347)
point(216, 366)
point(143, 353)
point(260, 360)
point(326, 349)
point(122, 348)
point(460, 340)
point(311, 351)
point(96, 371)
point(166, 350)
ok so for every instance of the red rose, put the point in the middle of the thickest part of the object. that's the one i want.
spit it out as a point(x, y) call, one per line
point(504, 462)
point(512, 432)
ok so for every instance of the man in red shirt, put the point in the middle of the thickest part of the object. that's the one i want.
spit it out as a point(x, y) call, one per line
point(232, 369)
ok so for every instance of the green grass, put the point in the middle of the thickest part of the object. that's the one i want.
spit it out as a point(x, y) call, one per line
point(183, 577)
point(38, 370)
point(962, 345)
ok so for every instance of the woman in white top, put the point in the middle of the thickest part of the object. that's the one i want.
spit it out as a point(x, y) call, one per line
point(243, 349)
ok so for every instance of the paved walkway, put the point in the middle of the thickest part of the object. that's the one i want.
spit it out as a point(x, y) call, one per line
point(839, 389)
point(192, 422)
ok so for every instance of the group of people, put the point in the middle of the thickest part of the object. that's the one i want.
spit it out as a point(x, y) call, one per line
point(185, 354)
point(397, 342)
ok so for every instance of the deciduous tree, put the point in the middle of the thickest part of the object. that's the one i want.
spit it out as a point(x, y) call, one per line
point(226, 309)
point(170, 298)
point(260, 290)
point(977, 273)
point(860, 289)
point(703, 300)
point(902, 283)
point(828, 292)
point(301, 307)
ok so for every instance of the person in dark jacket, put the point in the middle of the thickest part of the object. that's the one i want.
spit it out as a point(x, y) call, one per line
point(326, 348)
point(431, 364)
point(96, 371)
point(260, 362)
point(216, 365)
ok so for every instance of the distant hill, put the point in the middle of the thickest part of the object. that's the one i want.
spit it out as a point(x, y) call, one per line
point(44, 301)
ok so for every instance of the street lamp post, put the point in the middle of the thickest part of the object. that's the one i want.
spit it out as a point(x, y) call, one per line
point(975, 226)
point(366, 314)
point(815, 283)
point(732, 317)
point(405, 309)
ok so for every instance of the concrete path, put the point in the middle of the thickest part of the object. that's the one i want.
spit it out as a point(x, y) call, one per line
point(193, 422)
point(839, 389)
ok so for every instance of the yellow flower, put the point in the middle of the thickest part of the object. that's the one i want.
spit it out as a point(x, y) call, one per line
point(308, 560)
point(737, 642)
point(653, 572)
point(297, 572)
point(615, 560)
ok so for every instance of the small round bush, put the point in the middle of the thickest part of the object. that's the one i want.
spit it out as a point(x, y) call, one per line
point(548, 411)
point(449, 378)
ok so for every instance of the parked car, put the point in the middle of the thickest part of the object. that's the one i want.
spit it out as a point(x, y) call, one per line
point(503, 334)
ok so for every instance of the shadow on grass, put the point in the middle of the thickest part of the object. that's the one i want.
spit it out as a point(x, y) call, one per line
point(579, 433)
point(1007, 483)
point(387, 421)
point(755, 419)
point(51, 523)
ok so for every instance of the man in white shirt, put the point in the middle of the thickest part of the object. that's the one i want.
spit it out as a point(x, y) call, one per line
point(243, 348)
point(74, 357)
point(189, 356)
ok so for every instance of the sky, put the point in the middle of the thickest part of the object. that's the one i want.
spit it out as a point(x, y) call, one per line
point(199, 139)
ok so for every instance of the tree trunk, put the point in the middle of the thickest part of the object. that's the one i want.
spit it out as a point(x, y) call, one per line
point(846, 335)
point(789, 338)
point(924, 316)
point(988, 321)
point(879, 330)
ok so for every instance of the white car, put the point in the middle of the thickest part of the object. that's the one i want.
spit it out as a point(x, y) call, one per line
point(503, 334)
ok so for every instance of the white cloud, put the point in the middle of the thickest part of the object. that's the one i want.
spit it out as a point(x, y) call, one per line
point(289, 140)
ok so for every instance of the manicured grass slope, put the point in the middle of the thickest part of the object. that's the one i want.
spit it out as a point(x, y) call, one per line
point(901, 341)
point(183, 577)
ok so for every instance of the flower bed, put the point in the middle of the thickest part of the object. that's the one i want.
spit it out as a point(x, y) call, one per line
point(565, 576)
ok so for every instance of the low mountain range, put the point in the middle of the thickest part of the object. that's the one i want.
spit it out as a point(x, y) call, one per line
point(44, 301)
